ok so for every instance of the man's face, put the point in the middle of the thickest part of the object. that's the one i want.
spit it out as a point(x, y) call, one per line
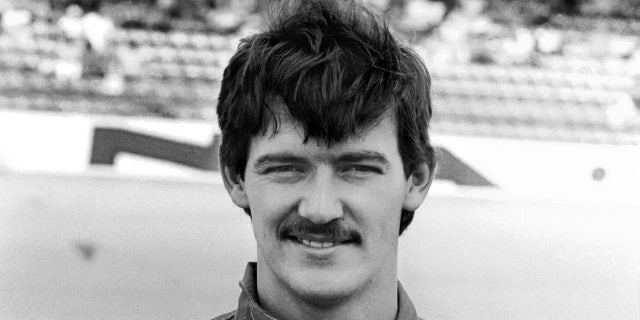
point(326, 218)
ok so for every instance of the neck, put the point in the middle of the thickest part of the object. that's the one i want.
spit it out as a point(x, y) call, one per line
point(377, 300)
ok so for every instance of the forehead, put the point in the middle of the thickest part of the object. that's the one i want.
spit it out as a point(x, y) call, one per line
point(290, 137)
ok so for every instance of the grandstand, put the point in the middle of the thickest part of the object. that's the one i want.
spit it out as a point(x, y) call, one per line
point(560, 97)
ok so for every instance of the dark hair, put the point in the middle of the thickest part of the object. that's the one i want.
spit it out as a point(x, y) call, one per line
point(338, 71)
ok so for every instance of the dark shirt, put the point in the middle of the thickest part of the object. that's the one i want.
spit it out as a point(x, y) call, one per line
point(249, 309)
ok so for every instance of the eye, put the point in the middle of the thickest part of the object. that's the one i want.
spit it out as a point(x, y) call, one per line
point(361, 169)
point(283, 169)
point(284, 173)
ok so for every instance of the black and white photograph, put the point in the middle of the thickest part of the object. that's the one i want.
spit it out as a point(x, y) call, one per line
point(320, 159)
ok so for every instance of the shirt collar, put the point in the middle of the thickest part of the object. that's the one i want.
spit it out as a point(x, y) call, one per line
point(248, 307)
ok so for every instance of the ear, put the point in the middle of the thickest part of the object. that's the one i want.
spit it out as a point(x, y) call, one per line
point(417, 187)
point(235, 187)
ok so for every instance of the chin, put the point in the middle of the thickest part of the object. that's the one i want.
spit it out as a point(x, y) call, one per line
point(323, 287)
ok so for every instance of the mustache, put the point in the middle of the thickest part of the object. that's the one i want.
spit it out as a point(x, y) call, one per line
point(335, 230)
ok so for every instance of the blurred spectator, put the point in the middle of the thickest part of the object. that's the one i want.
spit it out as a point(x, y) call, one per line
point(548, 41)
point(69, 65)
point(90, 52)
point(422, 15)
point(15, 18)
point(228, 17)
point(415, 17)
point(519, 48)
point(225, 20)
point(100, 58)
point(131, 59)
point(465, 33)
point(97, 30)
point(71, 22)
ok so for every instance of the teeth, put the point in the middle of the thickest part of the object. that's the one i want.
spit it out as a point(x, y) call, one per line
point(317, 244)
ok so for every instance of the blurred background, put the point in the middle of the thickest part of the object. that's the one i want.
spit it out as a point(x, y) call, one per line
point(111, 204)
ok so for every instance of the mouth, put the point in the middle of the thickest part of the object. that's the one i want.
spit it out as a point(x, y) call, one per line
point(318, 243)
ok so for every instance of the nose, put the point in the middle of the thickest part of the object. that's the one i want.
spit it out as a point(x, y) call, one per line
point(321, 200)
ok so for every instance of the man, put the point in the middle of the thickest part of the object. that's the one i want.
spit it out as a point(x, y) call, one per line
point(324, 144)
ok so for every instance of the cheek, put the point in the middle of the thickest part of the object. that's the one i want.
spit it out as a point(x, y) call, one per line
point(269, 207)
point(381, 208)
point(393, 210)
point(268, 201)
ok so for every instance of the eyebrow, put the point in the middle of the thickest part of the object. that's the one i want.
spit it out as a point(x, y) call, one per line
point(282, 157)
point(364, 156)
point(348, 157)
